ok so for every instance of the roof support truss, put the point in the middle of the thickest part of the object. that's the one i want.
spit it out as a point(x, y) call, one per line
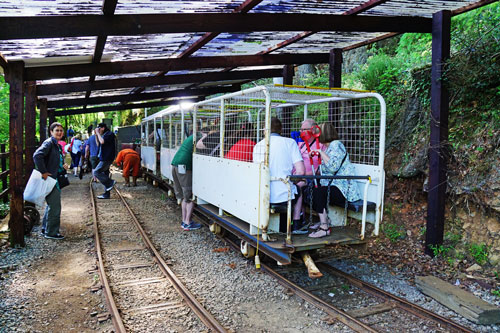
point(62, 88)
point(123, 67)
point(139, 97)
point(129, 25)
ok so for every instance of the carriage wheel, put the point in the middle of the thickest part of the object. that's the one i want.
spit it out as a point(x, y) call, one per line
point(247, 250)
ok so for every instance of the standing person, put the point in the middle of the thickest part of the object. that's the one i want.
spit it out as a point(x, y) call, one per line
point(48, 160)
point(129, 159)
point(182, 166)
point(84, 155)
point(76, 153)
point(284, 157)
point(93, 151)
point(106, 155)
point(90, 130)
point(334, 161)
point(70, 133)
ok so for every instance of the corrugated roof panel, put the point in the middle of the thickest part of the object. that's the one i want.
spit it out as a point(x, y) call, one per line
point(151, 46)
point(47, 47)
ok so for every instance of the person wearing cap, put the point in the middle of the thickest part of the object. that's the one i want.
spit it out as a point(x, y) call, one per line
point(107, 152)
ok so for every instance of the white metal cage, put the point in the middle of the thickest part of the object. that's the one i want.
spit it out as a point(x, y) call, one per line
point(227, 176)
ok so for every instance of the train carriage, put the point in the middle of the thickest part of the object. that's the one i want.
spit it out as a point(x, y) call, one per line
point(231, 183)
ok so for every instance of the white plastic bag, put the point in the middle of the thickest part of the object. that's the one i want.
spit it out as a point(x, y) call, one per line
point(37, 188)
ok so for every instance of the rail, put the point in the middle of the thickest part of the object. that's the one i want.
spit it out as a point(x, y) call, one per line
point(188, 297)
point(334, 312)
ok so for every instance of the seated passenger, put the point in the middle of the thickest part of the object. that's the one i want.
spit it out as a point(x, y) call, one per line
point(334, 162)
point(242, 150)
point(284, 156)
point(209, 144)
point(309, 125)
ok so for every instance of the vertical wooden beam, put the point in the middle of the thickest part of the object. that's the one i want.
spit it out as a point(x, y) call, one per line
point(15, 78)
point(288, 73)
point(438, 152)
point(335, 81)
point(52, 119)
point(43, 119)
point(335, 71)
point(29, 127)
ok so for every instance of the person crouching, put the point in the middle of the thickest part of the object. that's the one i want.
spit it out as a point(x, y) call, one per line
point(129, 159)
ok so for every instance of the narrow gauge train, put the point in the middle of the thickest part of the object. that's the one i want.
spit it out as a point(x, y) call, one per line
point(234, 191)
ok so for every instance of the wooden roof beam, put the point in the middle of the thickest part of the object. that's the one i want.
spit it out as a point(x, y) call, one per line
point(170, 64)
point(472, 6)
point(108, 9)
point(207, 37)
point(129, 25)
point(61, 103)
point(62, 88)
point(3, 62)
point(118, 107)
point(354, 11)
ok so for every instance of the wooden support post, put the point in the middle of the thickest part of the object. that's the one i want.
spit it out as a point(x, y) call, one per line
point(4, 168)
point(52, 118)
point(43, 119)
point(438, 152)
point(335, 81)
point(15, 78)
point(288, 72)
point(29, 127)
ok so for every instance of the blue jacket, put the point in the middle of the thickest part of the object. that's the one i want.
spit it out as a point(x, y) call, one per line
point(107, 150)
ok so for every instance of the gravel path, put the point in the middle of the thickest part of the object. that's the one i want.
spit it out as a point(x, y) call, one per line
point(45, 287)
point(48, 286)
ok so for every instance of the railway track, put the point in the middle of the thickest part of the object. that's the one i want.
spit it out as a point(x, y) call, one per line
point(136, 280)
point(382, 306)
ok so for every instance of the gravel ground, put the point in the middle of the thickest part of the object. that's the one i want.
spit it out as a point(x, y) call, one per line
point(391, 281)
point(45, 287)
point(241, 298)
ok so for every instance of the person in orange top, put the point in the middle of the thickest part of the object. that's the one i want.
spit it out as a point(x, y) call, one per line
point(129, 159)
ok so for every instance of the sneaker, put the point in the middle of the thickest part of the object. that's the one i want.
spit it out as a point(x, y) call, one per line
point(58, 236)
point(297, 228)
point(183, 226)
point(191, 226)
point(105, 195)
point(42, 232)
point(111, 187)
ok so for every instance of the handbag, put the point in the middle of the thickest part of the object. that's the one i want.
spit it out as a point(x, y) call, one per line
point(62, 179)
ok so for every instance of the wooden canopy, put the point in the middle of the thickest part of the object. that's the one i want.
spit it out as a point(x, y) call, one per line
point(110, 54)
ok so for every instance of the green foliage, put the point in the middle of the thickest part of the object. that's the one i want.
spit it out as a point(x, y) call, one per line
point(4, 209)
point(439, 250)
point(4, 110)
point(394, 232)
point(479, 252)
point(496, 292)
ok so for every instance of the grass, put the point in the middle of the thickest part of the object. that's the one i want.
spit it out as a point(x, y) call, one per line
point(479, 252)
point(394, 232)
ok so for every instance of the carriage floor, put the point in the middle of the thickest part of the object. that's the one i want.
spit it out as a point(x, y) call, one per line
point(339, 235)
